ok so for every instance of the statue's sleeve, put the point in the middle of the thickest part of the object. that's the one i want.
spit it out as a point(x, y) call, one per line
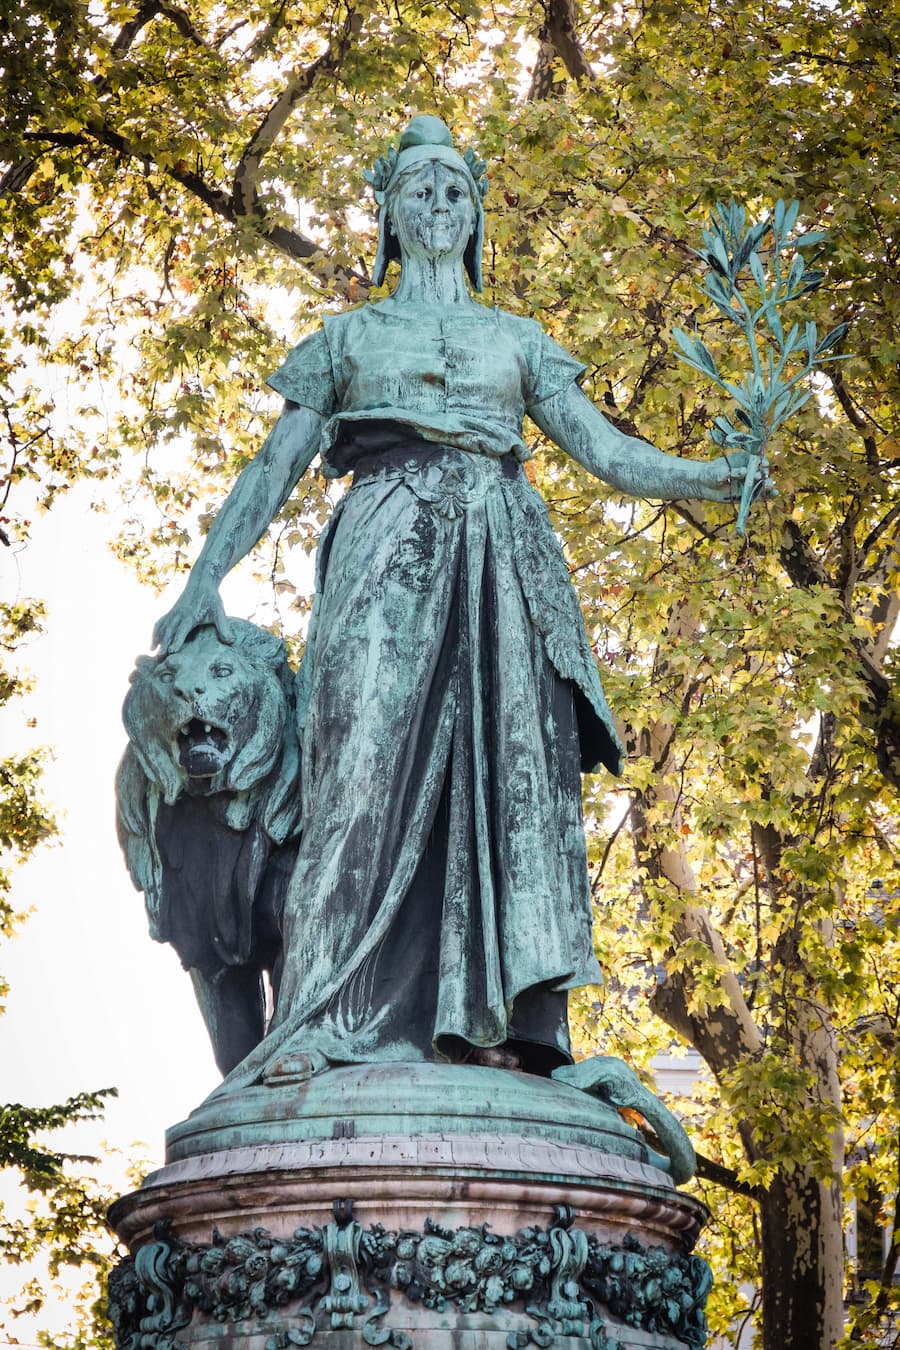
point(307, 377)
point(550, 369)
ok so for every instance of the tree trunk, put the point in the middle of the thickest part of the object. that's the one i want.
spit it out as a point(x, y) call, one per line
point(802, 1246)
point(801, 1216)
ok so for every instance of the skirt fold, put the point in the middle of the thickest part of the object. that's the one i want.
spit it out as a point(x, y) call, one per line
point(440, 897)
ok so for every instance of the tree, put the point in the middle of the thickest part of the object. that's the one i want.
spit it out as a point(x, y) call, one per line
point(64, 1222)
point(203, 170)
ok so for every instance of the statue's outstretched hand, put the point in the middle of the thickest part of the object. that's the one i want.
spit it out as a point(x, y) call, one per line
point(722, 479)
point(198, 605)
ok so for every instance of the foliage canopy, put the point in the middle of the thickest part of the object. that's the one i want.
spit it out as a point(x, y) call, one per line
point(182, 195)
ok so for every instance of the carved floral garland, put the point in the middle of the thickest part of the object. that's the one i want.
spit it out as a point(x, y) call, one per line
point(343, 1272)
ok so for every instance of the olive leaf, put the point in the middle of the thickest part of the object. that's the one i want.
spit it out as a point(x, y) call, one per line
point(753, 272)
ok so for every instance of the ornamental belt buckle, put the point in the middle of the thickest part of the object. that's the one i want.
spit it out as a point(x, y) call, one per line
point(450, 482)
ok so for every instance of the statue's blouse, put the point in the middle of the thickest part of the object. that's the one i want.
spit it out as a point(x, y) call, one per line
point(464, 378)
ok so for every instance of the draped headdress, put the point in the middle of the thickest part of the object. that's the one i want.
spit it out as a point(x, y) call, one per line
point(426, 139)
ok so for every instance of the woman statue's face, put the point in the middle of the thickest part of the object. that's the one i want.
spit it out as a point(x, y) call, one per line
point(432, 213)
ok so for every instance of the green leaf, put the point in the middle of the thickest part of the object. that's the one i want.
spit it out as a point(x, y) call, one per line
point(790, 217)
point(811, 338)
point(833, 338)
point(811, 239)
point(758, 274)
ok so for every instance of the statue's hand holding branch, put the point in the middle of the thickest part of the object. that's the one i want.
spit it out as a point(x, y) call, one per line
point(638, 468)
point(734, 477)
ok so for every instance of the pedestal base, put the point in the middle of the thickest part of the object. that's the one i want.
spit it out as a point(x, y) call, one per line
point(421, 1204)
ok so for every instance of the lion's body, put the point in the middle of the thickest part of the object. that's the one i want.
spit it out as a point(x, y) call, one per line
point(208, 806)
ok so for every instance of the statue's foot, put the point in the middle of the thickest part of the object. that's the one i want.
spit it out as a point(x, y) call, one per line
point(294, 1068)
point(493, 1057)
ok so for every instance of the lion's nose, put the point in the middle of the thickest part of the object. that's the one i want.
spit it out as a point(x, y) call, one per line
point(187, 690)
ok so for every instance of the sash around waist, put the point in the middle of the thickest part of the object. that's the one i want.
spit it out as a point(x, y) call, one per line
point(415, 456)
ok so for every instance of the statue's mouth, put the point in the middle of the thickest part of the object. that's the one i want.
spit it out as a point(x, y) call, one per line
point(202, 748)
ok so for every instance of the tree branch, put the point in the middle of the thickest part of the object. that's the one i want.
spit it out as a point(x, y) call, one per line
point(878, 530)
point(214, 198)
point(241, 203)
point(18, 175)
point(800, 561)
point(147, 11)
point(720, 1175)
point(854, 416)
point(726, 1034)
point(289, 242)
point(244, 192)
point(558, 38)
point(806, 571)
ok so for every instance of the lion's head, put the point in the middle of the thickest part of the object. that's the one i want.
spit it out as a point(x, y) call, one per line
point(211, 712)
point(212, 718)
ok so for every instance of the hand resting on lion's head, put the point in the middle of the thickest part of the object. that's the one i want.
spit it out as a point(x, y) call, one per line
point(212, 718)
point(208, 806)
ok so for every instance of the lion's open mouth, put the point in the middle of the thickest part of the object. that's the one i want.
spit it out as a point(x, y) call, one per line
point(202, 748)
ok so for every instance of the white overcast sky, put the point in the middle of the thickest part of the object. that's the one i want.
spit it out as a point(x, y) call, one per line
point(93, 1002)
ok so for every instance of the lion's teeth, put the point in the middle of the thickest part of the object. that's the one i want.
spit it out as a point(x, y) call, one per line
point(207, 728)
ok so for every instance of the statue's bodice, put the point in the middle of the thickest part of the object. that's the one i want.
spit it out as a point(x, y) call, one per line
point(462, 376)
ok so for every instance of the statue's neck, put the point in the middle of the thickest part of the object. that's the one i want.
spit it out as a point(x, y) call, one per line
point(432, 281)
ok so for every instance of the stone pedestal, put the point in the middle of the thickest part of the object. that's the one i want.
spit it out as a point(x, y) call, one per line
point(409, 1205)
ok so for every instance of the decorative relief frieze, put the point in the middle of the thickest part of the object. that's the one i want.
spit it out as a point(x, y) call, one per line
point(568, 1283)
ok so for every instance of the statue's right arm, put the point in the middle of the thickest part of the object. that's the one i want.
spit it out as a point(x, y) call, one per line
point(258, 495)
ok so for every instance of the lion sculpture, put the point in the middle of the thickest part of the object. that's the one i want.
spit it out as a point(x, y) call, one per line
point(208, 815)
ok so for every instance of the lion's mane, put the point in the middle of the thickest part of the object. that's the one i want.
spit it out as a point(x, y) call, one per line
point(238, 700)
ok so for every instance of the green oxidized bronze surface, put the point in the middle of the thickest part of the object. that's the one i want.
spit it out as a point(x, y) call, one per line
point(408, 860)
point(578, 1106)
point(569, 1283)
point(438, 906)
point(406, 1099)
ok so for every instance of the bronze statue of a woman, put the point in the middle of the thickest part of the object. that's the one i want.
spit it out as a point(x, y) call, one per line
point(448, 699)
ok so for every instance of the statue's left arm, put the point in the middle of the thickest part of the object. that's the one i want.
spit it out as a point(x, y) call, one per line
point(632, 465)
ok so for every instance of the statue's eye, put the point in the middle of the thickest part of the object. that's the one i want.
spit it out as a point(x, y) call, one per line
point(165, 676)
point(454, 194)
point(222, 672)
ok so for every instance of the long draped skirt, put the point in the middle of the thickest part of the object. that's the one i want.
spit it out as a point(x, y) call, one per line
point(440, 896)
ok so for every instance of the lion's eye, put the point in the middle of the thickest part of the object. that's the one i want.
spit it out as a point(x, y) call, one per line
point(165, 676)
point(222, 672)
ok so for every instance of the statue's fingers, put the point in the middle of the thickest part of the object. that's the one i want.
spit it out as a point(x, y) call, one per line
point(160, 631)
point(764, 487)
point(168, 635)
point(224, 626)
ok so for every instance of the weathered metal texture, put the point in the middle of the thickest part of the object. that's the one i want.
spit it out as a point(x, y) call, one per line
point(347, 1285)
point(409, 1101)
point(426, 140)
point(448, 696)
point(439, 899)
point(438, 908)
point(456, 1174)
point(207, 799)
point(477, 1151)
point(612, 1081)
point(463, 375)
